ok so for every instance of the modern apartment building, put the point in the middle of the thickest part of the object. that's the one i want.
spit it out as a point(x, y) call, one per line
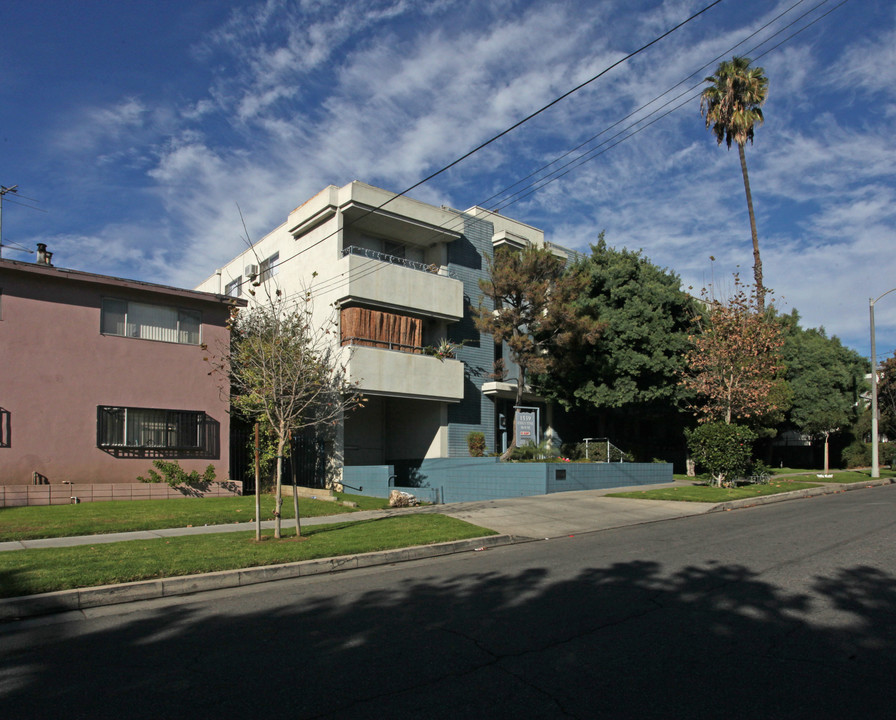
point(401, 277)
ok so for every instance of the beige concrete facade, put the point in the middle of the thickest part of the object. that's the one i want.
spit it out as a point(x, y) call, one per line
point(360, 246)
point(363, 248)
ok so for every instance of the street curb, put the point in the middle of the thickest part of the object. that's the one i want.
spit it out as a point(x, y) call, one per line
point(830, 489)
point(17, 608)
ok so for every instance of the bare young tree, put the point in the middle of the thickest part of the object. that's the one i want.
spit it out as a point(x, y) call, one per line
point(287, 370)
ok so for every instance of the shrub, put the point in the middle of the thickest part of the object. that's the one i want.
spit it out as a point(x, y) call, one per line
point(724, 450)
point(887, 453)
point(476, 443)
point(530, 452)
point(171, 472)
point(858, 454)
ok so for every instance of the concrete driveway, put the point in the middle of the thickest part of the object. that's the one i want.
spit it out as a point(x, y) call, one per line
point(569, 513)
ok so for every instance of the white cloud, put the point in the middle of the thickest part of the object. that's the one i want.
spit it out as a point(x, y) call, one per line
point(298, 95)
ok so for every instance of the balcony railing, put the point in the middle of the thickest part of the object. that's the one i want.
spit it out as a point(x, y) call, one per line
point(385, 344)
point(395, 260)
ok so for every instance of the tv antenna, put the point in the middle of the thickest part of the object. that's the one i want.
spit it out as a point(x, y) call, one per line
point(15, 191)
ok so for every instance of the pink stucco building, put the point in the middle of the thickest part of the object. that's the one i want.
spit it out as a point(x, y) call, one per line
point(101, 375)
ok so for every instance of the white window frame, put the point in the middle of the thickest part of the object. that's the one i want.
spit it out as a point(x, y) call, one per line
point(180, 331)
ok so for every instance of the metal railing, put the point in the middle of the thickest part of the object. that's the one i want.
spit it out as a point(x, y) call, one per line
point(603, 446)
point(385, 344)
point(395, 260)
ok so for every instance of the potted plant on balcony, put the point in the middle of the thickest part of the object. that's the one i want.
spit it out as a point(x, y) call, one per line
point(445, 350)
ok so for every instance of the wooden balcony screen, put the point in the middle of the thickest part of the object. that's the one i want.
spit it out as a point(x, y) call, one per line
point(375, 328)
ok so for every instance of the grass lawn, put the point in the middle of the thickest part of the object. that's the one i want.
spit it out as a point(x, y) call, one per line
point(704, 493)
point(849, 476)
point(27, 572)
point(48, 521)
point(364, 502)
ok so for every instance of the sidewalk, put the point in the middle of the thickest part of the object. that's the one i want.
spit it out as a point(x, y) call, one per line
point(519, 519)
point(541, 516)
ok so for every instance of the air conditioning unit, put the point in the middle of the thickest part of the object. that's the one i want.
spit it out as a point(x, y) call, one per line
point(251, 271)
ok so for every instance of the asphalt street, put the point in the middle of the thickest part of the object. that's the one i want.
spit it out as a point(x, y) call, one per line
point(780, 611)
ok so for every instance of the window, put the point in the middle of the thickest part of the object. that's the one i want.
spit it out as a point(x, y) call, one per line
point(150, 322)
point(235, 287)
point(4, 428)
point(268, 267)
point(135, 428)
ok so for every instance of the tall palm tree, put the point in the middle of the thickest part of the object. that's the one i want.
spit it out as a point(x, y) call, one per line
point(732, 105)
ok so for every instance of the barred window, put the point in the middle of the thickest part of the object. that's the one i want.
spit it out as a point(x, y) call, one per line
point(127, 427)
point(150, 322)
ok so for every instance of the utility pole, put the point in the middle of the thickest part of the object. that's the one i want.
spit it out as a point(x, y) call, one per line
point(875, 417)
point(3, 191)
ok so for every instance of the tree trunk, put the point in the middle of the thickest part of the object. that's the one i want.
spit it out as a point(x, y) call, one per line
point(279, 495)
point(257, 488)
point(520, 386)
point(826, 437)
point(295, 495)
point(757, 263)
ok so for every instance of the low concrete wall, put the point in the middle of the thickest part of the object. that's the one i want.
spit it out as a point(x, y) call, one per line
point(600, 476)
point(468, 479)
point(62, 494)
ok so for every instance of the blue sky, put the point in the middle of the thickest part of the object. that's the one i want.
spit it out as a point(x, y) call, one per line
point(138, 127)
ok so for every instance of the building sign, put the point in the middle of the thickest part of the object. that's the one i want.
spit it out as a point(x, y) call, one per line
point(526, 426)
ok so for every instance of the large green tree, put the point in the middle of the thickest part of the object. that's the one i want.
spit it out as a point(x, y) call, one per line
point(886, 397)
point(532, 309)
point(825, 381)
point(731, 105)
point(636, 362)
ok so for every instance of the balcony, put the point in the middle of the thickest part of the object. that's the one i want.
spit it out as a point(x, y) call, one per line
point(382, 280)
point(404, 374)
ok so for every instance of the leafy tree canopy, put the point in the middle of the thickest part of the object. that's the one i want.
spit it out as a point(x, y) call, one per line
point(638, 357)
point(825, 379)
point(886, 397)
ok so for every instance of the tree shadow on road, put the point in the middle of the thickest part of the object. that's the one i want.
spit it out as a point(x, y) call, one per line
point(630, 639)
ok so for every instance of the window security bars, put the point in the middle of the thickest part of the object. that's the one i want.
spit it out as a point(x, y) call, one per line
point(167, 431)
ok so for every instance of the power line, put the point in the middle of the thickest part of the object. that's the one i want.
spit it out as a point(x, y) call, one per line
point(665, 92)
point(562, 97)
point(515, 125)
point(15, 201)
point(607, 145)
point(592, 153)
